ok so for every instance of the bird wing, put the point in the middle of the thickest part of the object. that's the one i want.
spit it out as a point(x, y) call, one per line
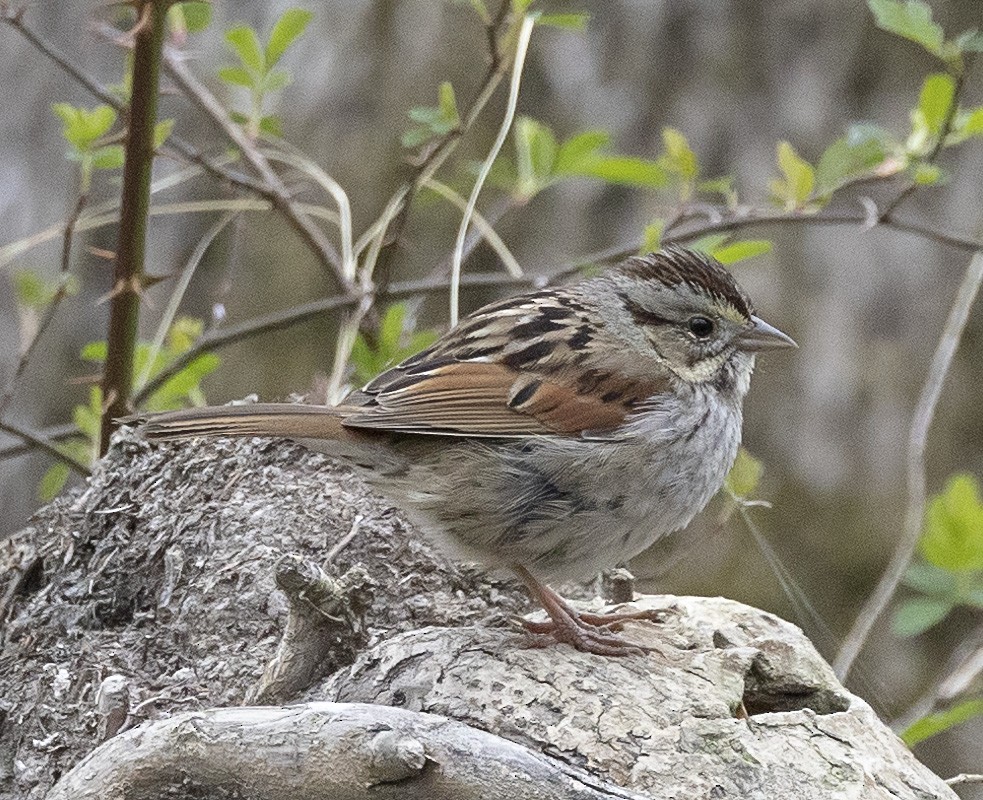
point(509, 370)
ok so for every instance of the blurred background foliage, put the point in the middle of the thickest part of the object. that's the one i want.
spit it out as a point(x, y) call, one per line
point(620, 119)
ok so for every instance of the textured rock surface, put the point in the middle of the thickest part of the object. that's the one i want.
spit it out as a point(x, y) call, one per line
point(740, 706)
point(151, 594)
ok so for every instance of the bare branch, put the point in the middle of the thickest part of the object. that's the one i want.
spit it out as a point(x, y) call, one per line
point(917, 439)
point(278, 193)
point(213, 340)
point(128, 266)
point(944, 130)
point(51, 310)
point(55, 433)
point(349, 751)
point(38, 441)
point(15, 19)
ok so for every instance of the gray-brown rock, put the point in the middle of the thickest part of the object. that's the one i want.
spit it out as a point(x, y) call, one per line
point(186, 581)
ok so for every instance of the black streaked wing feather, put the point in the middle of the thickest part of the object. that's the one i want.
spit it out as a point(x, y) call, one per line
point(505, 371)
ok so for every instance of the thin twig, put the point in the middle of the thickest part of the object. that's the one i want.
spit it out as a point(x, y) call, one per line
point(964, 778)
point(54, 433)
point(15, 19)
point(917, 439)
point(483, 229)
point(38, 441)
point(52, 308)
point(167, 318)
point(280, 195)
point(749, 219)
point(344, 541)
point(944, 130)
point(522, 45)
point(442, 148)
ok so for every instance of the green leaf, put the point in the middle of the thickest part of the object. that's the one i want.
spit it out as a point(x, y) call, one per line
point(570, 22)
point(53, 481)
point(953, 535)
point(652, 237)
point(743, 479)
point(623, 171)
point(33, 291)
point(941, 721)
point(536, 151)
point(918, 614)
point(937, 95)
point(182, 335)
point(161, 131)
point(850, 156)
point(110, 156)
point(94, 351)
point(436, 120)
point(723, 186)
point(237, 76)
point(447, 103)
point(679, 158)
point(414, 137)
point(197, 16)
point(271, 126)
point(925, 174)
point(739, 251)
point(966, 125)
point(87, 418)
point(931, 580)
point(578, 148)
point(245, 42)
point(912, 20)
point(276, 80)
point(174, 392)
point(391, 327)
point(81, 127)
point(710, 242)
point(292, 24)
point(798, 180)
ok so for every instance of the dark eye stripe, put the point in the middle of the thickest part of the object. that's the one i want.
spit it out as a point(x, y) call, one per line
point(642, 315)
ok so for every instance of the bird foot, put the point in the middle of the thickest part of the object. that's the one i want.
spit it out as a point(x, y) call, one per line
point(593, 633)
point(587, 631)
point(586, 638)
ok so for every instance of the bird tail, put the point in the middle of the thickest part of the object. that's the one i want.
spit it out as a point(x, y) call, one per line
point(288, 420)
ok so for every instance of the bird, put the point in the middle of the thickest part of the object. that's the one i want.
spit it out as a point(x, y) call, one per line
point(556, 433)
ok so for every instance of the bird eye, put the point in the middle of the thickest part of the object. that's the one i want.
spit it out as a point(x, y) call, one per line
point(700, 327)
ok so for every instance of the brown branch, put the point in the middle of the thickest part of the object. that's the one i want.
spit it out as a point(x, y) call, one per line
point(49, 312)
point(277, 320)
point(278, 193)
point(345, 751)
point(128, 266)
point(441, 149)
point(944, 130)
point(37, 441)
point(54, 433)
point(174, 144)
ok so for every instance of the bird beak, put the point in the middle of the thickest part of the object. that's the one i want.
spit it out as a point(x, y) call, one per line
point(762, 336)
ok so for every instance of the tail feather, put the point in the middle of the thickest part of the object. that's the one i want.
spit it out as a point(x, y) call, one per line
point(288, 420)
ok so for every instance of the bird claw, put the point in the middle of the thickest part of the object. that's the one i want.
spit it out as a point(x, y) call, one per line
point(592, 633)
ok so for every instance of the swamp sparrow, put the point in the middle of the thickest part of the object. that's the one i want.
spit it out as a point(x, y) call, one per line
point(557, 433)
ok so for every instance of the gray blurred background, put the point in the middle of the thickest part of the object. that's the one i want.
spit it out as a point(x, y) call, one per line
point(829, 421)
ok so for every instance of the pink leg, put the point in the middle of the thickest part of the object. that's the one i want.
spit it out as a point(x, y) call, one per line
point(590, 633)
